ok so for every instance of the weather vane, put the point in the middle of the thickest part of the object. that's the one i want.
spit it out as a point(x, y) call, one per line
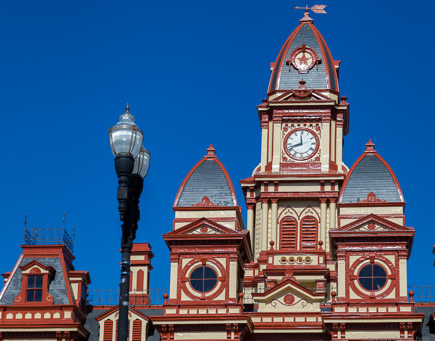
point(320, 9)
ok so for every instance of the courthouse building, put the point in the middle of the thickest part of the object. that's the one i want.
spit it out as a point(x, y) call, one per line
point(322, 255)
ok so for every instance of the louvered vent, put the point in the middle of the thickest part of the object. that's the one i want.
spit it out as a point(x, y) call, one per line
point(309, 233)
point(288, 234)
point(108, 330)
point(137, 330)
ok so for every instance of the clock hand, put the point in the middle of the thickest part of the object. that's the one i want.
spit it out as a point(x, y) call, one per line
point(296, 145)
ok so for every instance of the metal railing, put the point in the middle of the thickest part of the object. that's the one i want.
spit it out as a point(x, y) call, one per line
point(247, 294)
point(110, 297)
point(49, 236)
point(423, 293)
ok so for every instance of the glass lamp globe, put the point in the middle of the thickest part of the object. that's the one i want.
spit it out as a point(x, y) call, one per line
point(142, 162)
point(125, 136)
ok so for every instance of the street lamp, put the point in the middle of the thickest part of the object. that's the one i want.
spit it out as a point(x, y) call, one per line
point(132, 162)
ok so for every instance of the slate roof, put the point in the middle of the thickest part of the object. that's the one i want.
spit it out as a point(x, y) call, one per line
point(370, 173)
point(57, 287)
point(208, 178)
point(322, 77)
point(425, 333)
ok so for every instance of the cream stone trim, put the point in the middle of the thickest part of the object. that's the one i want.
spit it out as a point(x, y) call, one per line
point(233, 279)
point(193, 321)
point(269, 141)
point(200, 335)
point(174, 280)
point(264, 227)
point(323, 223)
point(290, 331)
point(339, 147)
point(332, 215)
point(333, 137)
point(341, 277)
point(276, 147)
point(365, 321)
point(250, 225)
point(324, 146)
point(264, 153)
point(274, 224)
point(403, 277)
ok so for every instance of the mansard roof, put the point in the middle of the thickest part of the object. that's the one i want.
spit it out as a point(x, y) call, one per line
point(207, 184)
point(48, 256)
point(371, 180)
point(324, 75)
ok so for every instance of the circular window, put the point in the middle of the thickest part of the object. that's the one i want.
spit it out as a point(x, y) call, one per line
point(372, 277)
point(203, 279)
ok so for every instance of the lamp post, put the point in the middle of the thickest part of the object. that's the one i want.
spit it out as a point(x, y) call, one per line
point(132, 162)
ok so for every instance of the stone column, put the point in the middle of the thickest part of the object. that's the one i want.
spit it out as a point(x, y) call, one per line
point(323, 233)
point(264, 140)
point(174, 277)
point(276, 160)
point(264, 225)
point(339, 141)
point(250, 223)
point(341, 274)
point(274, 230)
point(332, 213)
point(325, 143)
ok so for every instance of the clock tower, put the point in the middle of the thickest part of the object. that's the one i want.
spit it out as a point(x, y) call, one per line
point(292, 193)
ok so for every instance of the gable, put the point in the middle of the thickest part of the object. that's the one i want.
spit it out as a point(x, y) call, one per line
point(204, 227)
point(288, 296)
point(373, 223)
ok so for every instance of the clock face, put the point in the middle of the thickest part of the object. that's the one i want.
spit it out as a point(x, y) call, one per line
point(301, 144)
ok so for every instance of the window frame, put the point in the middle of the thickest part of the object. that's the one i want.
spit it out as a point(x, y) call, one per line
point(34, 268)
point(203, 279)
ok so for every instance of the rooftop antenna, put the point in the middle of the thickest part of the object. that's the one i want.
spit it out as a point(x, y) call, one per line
point(63, 220)
point(25, 219)
point(319, 9)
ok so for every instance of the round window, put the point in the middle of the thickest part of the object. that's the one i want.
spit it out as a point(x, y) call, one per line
point(372, 277)
point(203, 279)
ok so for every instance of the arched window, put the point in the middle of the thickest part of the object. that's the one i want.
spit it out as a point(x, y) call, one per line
point(288, 235)
point(309, 233)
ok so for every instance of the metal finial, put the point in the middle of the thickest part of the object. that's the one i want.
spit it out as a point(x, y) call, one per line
point(25, 219)
point(63, 220)
point(319, 9)
point(127, 109)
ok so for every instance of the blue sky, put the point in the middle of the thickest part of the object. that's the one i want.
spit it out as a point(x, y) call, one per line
point(193, 73)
